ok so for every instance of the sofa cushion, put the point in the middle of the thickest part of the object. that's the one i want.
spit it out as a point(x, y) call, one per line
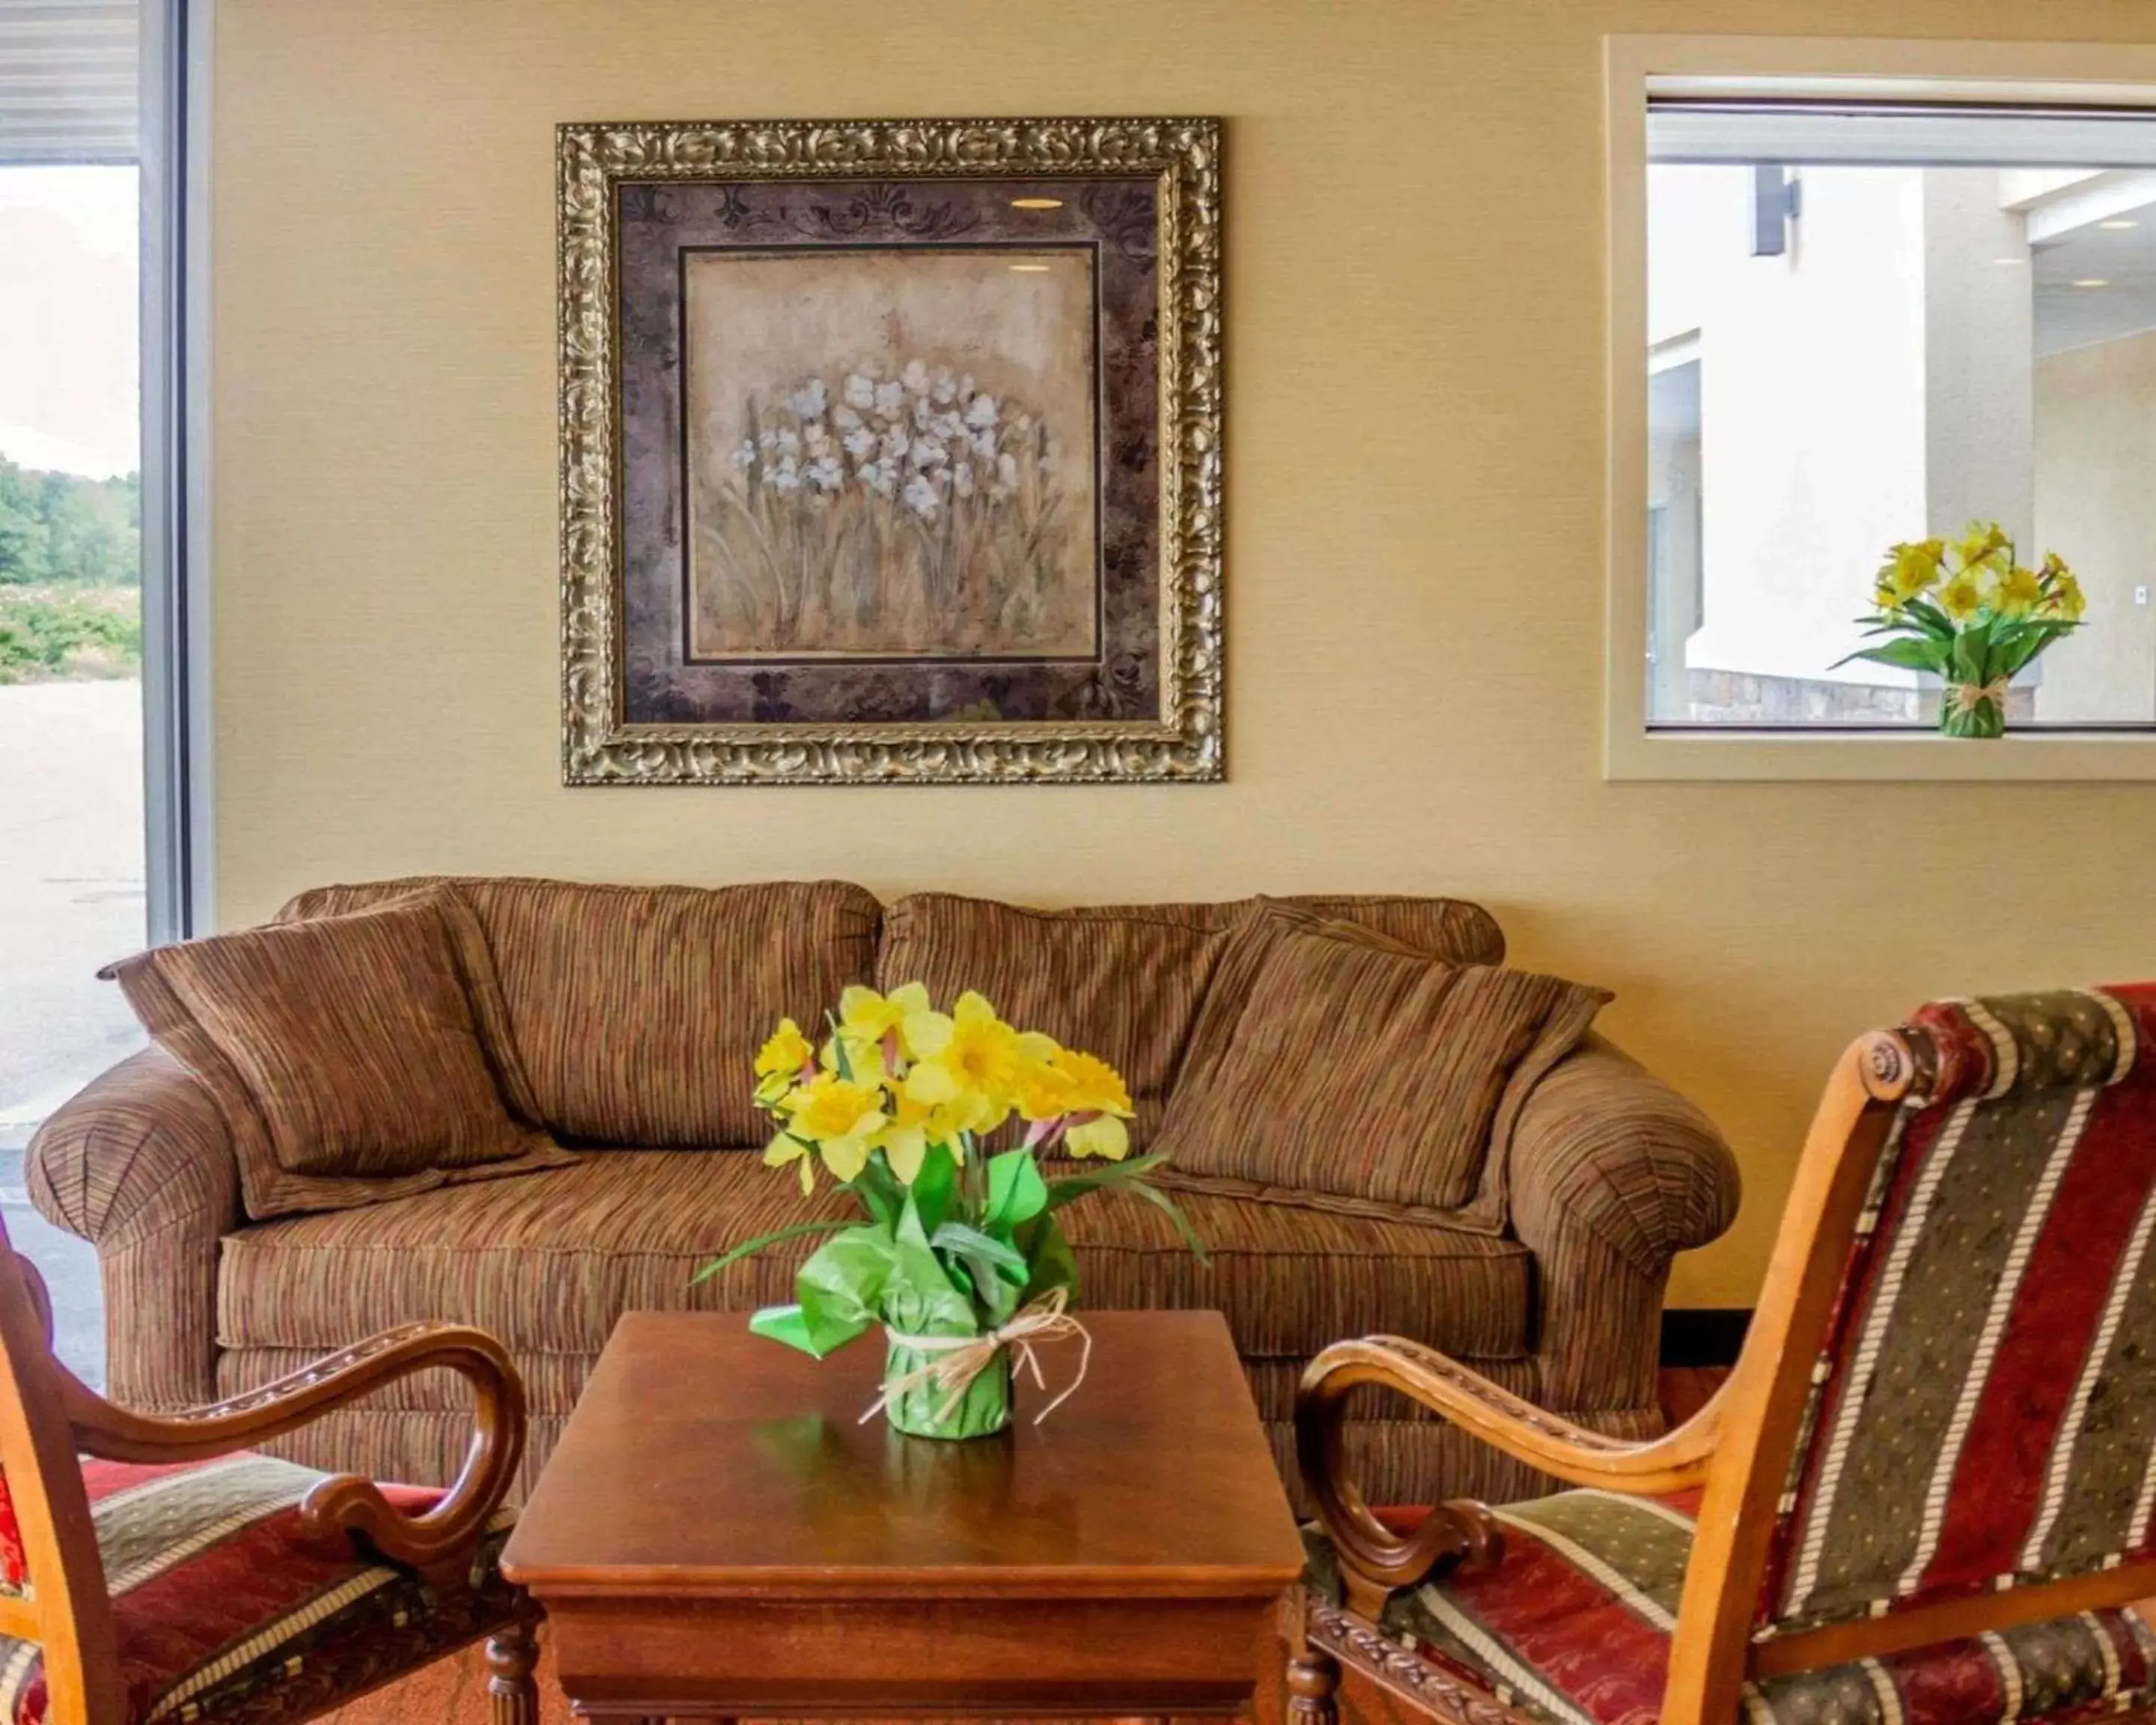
point(1332, 1059)
point(549, 1262)
point(355, 1057)
point(638, 1010)
point(1125, 982)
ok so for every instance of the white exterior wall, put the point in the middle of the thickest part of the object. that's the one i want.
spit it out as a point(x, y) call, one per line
point(1812, 404)
point(2095, 507)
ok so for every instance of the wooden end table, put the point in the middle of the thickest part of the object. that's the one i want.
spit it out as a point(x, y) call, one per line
point(718, 1536)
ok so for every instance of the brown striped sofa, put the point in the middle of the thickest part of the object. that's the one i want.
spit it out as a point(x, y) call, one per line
point(630, 1007)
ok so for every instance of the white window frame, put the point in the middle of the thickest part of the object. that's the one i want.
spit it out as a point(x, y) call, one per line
point(176, 494)
point(2108, 75)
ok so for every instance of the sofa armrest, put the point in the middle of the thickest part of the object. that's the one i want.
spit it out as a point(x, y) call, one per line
point(139, 1163)
point(1612, 1173)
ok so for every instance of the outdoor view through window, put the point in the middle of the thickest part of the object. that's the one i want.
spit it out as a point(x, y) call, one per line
point(1846, 355)
point(71, 714)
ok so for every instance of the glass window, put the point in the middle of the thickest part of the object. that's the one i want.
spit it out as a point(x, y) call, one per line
point(72, 835)
point(1872, 325)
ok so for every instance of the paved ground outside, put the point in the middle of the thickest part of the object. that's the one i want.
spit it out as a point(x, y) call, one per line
point(70, 900)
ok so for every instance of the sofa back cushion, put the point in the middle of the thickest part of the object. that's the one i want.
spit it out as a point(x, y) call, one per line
point(638, 1010)
point(1126, 982)
point(354, 1058)
point(1331, 1059)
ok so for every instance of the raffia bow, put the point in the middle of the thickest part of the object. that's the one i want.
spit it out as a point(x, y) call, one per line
point(1969, 697)
point(958, 1360)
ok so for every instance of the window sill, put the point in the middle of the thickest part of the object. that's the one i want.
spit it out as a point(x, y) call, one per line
point(1737, 756)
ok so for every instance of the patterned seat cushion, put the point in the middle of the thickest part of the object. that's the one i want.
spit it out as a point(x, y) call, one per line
point(227, 1608)
point(550, 1261)
point(1573, 1626)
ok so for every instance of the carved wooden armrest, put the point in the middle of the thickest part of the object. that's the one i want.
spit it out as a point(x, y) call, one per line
point(1375, 1557)
point(431, 1539)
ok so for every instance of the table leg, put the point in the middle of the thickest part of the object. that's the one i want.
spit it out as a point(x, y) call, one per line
point(511, 1652)
point(1313, 1680)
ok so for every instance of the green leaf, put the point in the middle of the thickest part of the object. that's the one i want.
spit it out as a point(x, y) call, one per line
point(1016, 1192)
point(1053, 1264)
point(1927, 616)
point(1970, 648)
point(1909, 653)
point(1160, 1200)
point(1065, 1188)
point(880, 1191)
point(972, 1243)
point(750, 1247)
point(935, 1187)
point(784, 1323)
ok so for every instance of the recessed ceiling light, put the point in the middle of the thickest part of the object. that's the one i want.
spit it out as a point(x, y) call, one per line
point(1031, 269)
point(2009, 260)
point(1036, 203)
point(2118, 224)
point(2092, 281)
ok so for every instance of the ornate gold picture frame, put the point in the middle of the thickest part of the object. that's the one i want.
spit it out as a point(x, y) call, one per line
point(890, 452)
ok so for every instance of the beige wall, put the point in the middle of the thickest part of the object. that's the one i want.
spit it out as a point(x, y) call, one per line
point(1415, 466)
point(2096, 437)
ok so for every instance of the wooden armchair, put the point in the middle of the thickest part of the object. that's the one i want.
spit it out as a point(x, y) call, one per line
point(153, 1569)
point(1925, 1494)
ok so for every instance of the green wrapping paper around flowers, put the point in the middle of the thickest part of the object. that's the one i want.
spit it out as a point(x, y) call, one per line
point(925, 1408)
point(956, 1252)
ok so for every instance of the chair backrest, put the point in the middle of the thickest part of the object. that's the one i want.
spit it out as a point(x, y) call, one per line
point(52, 1581)
point(1982, 1414)
point(1943, 1423)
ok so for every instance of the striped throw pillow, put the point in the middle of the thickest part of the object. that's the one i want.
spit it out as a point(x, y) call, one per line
point(1330, 1059)
point(354, 1058)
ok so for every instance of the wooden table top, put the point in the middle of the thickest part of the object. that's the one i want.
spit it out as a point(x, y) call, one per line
point(704, 1461)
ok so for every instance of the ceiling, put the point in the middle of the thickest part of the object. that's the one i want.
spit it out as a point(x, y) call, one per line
point(2124, 259)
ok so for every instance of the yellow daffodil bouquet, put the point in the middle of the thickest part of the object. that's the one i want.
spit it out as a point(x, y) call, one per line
point(1968, 612)
point(957, 1254)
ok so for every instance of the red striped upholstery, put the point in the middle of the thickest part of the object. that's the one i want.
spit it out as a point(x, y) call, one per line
point(1982, 1418)
point(228, 1608)
point(1573, 1626)
point(1984, 1412)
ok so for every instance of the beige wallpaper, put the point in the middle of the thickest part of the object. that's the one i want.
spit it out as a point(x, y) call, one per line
point(1415, 469)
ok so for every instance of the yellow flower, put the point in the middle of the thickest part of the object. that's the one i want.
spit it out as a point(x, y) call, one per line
point(1962, 597)
point(1095, 1086)
point(1981, 542)
point(863, 1064)
point(1098, 1102)
point(1101, 1135)
point(2064, 597)
point(788, 1051)
point(971, 1058)
point(780, 1061)
point(1043, 1091)
point(914, 1127)
point(2017, 592)
point(836, 1116)
point(1910, 572)
point(868, 1019)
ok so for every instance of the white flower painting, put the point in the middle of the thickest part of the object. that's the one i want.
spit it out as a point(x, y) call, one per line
point(929, 497)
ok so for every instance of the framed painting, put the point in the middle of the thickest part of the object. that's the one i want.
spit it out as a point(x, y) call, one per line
point(890, 452)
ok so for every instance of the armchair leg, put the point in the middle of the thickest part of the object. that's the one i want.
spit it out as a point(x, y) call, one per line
point(1313, 1684)
point(511, 1652)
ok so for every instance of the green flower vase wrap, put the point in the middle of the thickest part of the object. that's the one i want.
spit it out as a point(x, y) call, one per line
point(1974, 709)
point(915, 1403)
